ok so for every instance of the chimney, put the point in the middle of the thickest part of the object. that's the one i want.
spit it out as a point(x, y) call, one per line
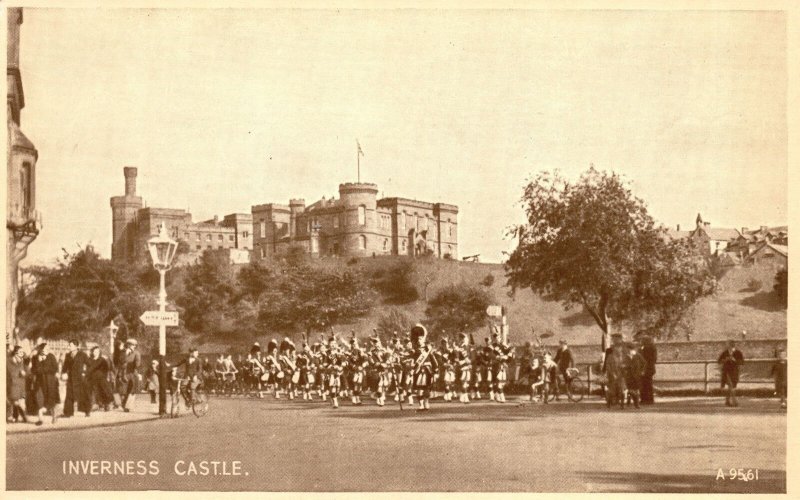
point(130, 181)
point(763, 229)
point(707, 224)
point(678, 227)
point(744, 230)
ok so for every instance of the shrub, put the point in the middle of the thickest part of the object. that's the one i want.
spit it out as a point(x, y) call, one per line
point(781, 286)
point(457, 308)
point(353, 261)
point(396, 283)
point(393, 321)
point(488, 280)
point(754, 285)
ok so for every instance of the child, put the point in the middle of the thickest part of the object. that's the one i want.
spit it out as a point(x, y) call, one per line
point(779, 372)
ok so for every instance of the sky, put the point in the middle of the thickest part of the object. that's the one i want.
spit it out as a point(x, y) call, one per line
point(224, 109)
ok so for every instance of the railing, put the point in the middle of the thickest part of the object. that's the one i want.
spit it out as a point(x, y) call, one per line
point(754, 371)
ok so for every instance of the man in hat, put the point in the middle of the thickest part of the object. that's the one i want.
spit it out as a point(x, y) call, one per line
point(730, 360)
point(565, 361)
point(73, 372)
point(634, 373)
point(192, 369)
point(614, 367)
point(501, 354)
point(424, 367)
point(357, 363)
point(379, 359)
point(289, 367)
point(44, 368)
point(131, 364)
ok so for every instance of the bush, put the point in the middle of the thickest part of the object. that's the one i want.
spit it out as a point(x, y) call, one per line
point(396, 283)
point(447, 256)
point(393, 321)
point(457, 308)
point(754, 285)
point(353, 261)
point(488, 280)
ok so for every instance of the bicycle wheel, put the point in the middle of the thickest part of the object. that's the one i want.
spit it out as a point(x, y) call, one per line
point(199, 402)
point(576, 390)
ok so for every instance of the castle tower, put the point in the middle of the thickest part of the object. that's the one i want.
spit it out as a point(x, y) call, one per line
point(123, 213)
point(296, 207)
point(359, 200)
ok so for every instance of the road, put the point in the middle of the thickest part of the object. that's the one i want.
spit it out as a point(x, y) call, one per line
point(674, 446)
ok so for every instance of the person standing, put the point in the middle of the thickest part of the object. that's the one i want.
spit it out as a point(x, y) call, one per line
point(73, 372)
point(131, 363)
point(634, 374)
point(152, 381)
point(98, 379)
point(16, 374)
point(730, 360)
point(614, 366)
point(45, 382)
point(565, 361)
point(650, 355)
point(116, 375)
point(779, 371)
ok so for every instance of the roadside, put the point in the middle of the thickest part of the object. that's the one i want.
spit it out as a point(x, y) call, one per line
point(141, 410)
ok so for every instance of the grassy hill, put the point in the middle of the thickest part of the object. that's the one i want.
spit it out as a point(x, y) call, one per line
point(738, 305)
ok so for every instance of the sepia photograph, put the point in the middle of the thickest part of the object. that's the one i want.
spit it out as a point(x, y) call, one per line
point(400, 248)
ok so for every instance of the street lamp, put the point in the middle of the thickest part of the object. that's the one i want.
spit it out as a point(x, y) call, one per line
point(162, 249)
point(112, 334)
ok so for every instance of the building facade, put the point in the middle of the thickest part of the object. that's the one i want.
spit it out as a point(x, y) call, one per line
point(133, 224)
point(356, 224)
point(23, 222)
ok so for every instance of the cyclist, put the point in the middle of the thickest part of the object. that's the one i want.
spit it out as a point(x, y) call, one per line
point(192, 370)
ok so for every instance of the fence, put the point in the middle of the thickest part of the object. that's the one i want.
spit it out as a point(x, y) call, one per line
point(754, 371)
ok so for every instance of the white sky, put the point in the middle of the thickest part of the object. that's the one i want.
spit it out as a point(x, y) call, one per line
point(224, 109)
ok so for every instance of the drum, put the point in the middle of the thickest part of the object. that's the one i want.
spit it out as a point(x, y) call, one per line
point(311, 378)
point(449, 376)
point(265, 377)
point(280, 375)
point(295, 377)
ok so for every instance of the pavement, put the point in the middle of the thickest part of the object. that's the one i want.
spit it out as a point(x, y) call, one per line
point(676, 446)
point(141, 411)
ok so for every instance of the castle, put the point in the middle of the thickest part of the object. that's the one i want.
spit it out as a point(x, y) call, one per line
point(355, 224)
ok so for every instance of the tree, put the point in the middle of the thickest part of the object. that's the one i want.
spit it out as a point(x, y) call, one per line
point(307, 298)
point(80, 296)
point(207, 294)
point(592, 243)
point(394, 321)
point(396, 283)
point(781, 286)
point(457, 308)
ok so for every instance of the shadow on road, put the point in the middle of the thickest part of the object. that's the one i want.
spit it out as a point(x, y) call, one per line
point(770, 481)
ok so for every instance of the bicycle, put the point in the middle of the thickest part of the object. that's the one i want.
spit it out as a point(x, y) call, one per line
point(575, 390)
point(198, 400)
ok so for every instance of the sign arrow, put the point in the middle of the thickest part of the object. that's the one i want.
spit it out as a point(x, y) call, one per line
point(158, 318)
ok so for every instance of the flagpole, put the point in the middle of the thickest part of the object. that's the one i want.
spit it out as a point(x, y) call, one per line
point(358, 161)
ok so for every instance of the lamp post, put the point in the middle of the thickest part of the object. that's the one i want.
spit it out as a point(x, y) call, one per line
point(112, 334)
point(162, 249)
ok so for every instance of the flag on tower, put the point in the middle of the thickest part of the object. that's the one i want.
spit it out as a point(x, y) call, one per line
point(360, 152)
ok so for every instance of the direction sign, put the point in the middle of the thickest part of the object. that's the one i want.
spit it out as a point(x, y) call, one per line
point(158, 318)
point(495, 311)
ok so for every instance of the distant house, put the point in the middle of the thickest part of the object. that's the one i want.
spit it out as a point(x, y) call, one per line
point(778, 255)
point(712, 240)
point(750, 240)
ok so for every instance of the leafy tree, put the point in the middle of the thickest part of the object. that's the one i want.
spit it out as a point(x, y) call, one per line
point(306, 298)
point(396, 283)
point(781, 286)
point(394, 321)
point(592, 243)
point(457, 308)
point(80, 296)
point(206, 297)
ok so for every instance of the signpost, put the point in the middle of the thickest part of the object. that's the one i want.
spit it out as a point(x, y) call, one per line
point(158, 318)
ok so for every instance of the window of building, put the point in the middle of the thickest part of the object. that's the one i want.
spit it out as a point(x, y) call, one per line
point(26, 186)
point(449, 230)
point(186, 236)
point(230, 237)
point(362, 242)
point(220, 247)
point(385, 244)
point(263, 229)
point(263, 252)
point(220, 237)
point(208, 238)
point(209, 246)
point(245, 234)
point(401, 223)
point(198, 236)
point(362, 215)
point(336, 221)
point(199, 247)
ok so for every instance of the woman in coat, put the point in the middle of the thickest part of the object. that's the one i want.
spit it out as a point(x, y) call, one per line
point(97, 377)
point(16, 374)
point(45, 382)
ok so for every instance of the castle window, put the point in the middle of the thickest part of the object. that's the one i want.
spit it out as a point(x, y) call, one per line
point(385, 244)
point(208, 238)
point(263, 252)
point(336, 221)
point(199, 247)
point(362, 242)
point(263, 229)
point(245, 234)
point(230, 237)
point(26, 186)
point(220, 237)
point(401, 223)
point(449, 230)
point(198, 236)
point(362, 215)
